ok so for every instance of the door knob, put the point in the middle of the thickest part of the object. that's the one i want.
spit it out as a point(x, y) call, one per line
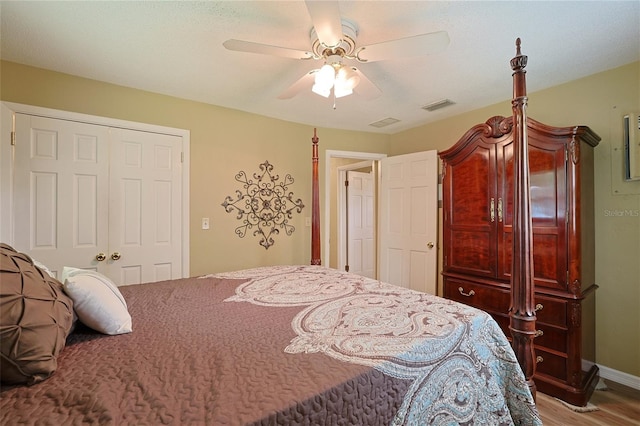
point(430, 244)
point(115, 255)
point(100, 257)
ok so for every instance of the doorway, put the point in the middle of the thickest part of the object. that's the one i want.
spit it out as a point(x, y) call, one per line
point(356, 237)
point(406, 209)
point(332, 205)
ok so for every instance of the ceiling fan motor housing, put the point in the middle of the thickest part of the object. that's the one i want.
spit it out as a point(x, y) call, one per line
point(345, 47)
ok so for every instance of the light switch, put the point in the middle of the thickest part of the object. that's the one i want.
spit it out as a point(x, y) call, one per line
point(205, 223)
point(307, 221)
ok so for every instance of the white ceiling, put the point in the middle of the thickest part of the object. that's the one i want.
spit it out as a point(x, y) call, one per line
point(175, 48)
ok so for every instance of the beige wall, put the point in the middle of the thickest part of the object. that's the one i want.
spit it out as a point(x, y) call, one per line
point(598, 101)
point(225, 141)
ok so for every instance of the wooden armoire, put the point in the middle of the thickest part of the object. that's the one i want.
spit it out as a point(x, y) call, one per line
point(478, 216)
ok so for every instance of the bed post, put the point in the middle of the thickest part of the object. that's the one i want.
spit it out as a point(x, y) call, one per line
point(522, 311)
point(315, 206)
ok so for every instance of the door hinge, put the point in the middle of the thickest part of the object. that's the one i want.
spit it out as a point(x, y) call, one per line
point(346, 182)
point(182, 157)
point(346, 268)
point(13, 138)
point(567, 282)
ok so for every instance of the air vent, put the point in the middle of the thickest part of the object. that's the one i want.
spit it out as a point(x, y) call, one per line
point(438, 104)
point(384, 122)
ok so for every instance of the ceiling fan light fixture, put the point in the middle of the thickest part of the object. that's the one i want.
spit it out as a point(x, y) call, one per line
point(341, 91)
point(320, 90)
point(347, 78)
point(326, 76)
point(334, 75)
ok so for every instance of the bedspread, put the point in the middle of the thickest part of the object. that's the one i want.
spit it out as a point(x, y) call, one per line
point(283, 345)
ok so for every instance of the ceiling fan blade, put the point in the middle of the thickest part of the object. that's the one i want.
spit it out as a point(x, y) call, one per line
point(303, 83)
point(265, 49)
point(325, 16)
point(423, 44)
point(365, 88)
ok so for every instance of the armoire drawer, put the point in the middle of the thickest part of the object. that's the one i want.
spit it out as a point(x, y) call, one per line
point(488, 298)
point(551, 364)
point(548, 337)
point(551, 311)
point(551, 338)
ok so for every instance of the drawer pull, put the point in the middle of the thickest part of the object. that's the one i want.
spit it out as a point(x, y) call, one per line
point(461, 290)
point(539, 307)
point(539, 333)
point(539, 359)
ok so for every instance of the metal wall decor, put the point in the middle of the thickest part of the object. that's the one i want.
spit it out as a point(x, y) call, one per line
point(263, 203)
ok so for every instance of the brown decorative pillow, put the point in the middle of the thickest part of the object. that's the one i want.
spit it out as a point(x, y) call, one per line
point(36, 317)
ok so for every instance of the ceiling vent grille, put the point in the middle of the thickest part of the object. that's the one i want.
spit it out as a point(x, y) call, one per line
point(384, 122)
point(438, 105)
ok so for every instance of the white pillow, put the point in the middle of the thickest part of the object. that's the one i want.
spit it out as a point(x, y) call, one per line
point(97, 301)
point(43, 267)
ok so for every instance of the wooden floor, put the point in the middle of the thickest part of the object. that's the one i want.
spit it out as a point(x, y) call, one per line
point(618, 406)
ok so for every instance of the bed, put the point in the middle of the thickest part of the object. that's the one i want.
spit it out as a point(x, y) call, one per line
point(301, 344)
point(283, 345)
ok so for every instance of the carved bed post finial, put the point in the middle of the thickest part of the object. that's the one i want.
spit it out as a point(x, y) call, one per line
point(522, 311)
point(315, 205)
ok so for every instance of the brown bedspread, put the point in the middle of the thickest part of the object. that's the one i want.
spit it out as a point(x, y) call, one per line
point(259, 347)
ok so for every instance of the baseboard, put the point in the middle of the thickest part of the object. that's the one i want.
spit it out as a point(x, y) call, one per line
point(619, 377)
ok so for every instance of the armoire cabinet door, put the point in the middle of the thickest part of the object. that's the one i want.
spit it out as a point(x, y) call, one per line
point(470, 193)
point(548, 183)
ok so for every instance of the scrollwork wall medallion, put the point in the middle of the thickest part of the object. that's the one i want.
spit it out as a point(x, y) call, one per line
point(264, 204)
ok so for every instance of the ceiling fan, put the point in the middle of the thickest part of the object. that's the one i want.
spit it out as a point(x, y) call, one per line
point(334, 41)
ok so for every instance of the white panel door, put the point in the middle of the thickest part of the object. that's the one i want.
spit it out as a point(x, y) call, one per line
point(409, 220)
point(61, 192)
point(361, 244)
point(145, 210)
point(81, 190)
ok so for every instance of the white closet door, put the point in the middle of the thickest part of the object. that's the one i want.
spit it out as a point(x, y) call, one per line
point(61, 192)
point(145, 210)
point(81, 190)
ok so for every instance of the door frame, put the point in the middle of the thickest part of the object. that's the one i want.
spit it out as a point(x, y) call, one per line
point(7, 111)
point(326, 223)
